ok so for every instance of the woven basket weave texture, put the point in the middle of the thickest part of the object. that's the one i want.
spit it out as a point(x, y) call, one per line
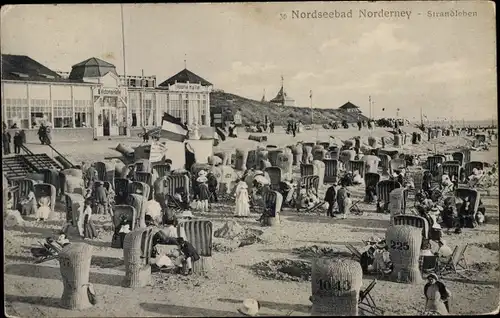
point(335, 286)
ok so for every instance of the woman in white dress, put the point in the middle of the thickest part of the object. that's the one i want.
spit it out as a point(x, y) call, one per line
point(242, 202)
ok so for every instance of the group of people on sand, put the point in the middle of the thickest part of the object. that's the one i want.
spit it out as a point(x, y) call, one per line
point(19, 139)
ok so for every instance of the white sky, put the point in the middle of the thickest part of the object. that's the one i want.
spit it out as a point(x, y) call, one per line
point(445, 65)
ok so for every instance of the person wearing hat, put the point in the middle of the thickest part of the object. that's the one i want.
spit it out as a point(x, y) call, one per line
point(250, 307)
point(203, 192)
point(343, 200)
point(188, 257)
point(449, 213)
point(101, 199)
point(381, 258)
point(89, 229)
point(436, 295)
point(242, 200)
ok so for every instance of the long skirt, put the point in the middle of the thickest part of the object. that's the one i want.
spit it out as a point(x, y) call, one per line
point(89, 230)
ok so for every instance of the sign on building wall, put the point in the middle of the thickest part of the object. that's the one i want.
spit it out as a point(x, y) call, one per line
point(108, 91)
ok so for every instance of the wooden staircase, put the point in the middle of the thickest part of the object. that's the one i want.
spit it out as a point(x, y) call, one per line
point(18, 166)
point(15, 168)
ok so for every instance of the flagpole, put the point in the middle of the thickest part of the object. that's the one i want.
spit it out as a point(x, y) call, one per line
point(124, 64)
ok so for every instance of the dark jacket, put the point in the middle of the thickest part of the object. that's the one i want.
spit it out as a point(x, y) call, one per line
point(331, 194)
point(189, 251)
point(442, 290)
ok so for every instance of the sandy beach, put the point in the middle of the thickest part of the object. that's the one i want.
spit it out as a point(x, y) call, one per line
point(35, 290)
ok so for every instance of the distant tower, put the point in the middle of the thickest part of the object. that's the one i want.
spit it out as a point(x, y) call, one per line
point(263, 96)
point(282, 98)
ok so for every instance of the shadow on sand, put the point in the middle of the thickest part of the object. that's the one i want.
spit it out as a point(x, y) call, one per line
point(46, 272)
point(355, 222)
point(272, 305)
point(34, 300)
point(183, 311)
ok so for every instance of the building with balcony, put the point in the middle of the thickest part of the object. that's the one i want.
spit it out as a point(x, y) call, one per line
point(93, 100)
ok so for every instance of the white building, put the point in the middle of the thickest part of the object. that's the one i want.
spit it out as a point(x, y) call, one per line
point(93, 100)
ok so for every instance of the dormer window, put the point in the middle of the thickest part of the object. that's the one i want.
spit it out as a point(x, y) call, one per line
point(22, 75)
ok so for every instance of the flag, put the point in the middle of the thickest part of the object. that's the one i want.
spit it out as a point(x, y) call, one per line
point(310, 94)
point(425, 116)
point(172, 128)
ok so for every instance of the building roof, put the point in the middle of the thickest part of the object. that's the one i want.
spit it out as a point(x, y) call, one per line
point(24, 68)
point(281, 97)
point(94, 61)
point(92, 67)
point(185, 76)
point(348, 105)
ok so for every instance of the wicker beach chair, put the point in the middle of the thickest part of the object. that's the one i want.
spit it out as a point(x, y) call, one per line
point(453, 169)
point(141, 186)
point(474, 198)
point(331, 170)
point(415, 221)
point(163, 169)
point(385, 187)
point(137, 248)
point(74, 260)
point(459, 156)
point(306, 169)
point(46, 190)
point(397, 164)
point(469, 166)
point(311, 183)
point(371, 181)
point(51, 176)
point(356, 165)
point(275, 176)
point(121, 190)
point(200, 234)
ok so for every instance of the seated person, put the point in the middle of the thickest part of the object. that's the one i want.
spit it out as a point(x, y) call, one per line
point(122, 229)
point(188, 257)
point(28, 204)
point(382, 258)
point(481, 210)
point(357, 178)
point(449, 213)
point(181, 197)
point(367, 258)
point(269, 211)
point(444, 252)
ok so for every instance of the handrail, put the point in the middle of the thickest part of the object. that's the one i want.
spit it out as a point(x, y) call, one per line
point(25, 149)
point(62, 157)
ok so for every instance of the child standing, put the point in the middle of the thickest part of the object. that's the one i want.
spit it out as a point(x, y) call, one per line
point(203, 193)
point(89, 230)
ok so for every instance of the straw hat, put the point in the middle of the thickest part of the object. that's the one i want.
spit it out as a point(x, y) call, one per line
point(187, 214)
point(432, 275)
point(202, 173)
point(250, 307)
point(381, 244)
point(202, 178)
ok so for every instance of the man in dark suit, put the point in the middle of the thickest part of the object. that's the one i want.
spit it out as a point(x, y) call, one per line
point(189, 253)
